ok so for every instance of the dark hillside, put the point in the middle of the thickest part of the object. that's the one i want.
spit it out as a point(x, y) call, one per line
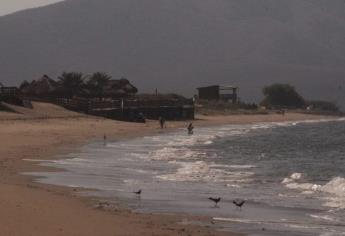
point(177, 45)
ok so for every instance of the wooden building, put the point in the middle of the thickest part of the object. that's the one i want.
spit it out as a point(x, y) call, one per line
point(131, 109)
point(8, 91)
point(219, 93)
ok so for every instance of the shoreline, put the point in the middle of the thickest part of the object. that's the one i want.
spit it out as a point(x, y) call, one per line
point(53, 138)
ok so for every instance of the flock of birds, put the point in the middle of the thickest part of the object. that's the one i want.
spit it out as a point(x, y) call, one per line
point(239, 202)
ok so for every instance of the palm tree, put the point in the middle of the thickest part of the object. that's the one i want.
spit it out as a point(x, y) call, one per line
point(71, 83)
point(97, 82)
point(23, 85)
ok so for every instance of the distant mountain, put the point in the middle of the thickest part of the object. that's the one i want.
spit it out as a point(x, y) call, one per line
point(177, 45)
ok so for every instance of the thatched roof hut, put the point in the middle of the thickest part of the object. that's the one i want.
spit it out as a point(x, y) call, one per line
point(44, 86)
point(119, 88)
point(47, 87)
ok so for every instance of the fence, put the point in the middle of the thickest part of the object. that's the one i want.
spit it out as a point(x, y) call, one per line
point(132, 109)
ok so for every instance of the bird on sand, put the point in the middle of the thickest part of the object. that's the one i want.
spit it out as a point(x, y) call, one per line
point(138, 192)
point(215, 200)
point(239, 203)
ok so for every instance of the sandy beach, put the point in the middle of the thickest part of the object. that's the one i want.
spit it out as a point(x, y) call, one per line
point(29, 208)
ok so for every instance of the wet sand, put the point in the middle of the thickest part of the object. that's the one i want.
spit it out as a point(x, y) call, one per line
point(33, 209)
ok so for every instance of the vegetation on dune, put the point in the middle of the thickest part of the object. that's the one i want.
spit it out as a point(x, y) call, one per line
point(278, 96)
point(282, 96)
point(323, 106)
point(97, 83)
point(101, 85)
point(24, 85)
point(70, 84)
point(10, 99)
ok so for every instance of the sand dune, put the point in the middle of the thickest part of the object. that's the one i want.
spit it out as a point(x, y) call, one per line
point(40, 111)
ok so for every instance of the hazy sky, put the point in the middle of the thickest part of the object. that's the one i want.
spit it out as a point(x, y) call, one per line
point(9, 6)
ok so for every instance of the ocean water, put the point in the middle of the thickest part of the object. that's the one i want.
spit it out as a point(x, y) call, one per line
point(291, 174)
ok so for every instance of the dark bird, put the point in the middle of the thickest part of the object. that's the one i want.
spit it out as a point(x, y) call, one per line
point(215, 200)
point(138, 192)
point(239, 203)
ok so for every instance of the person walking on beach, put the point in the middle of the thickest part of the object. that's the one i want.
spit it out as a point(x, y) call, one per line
point(162, 122)
point(190, 128)
point(105, 139)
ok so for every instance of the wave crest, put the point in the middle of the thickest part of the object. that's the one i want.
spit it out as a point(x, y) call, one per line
point(335, 189)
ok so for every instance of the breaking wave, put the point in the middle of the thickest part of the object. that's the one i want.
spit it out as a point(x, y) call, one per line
point(333, 192)
point(201, 171)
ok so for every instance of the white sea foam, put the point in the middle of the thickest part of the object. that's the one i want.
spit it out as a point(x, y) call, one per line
point(238, 220)
point(292, 178)
point(335, 186)
point(302, 226)
point(171, 153)
point(233, 185)
point(292, 183)
point(296, 176)
point(335, 189)
point(287, 223)
point(241, 166)
point(305, 187)
point(131, 181)
point(268, 125)
point(202, 171)
point(324, 217)
point(284, 195)
point(190, 171)
point(332, 234)
point(182, 140)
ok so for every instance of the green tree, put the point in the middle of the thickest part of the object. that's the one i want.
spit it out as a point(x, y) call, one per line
point(282, 95)
point(71, 83)
point(97, 82)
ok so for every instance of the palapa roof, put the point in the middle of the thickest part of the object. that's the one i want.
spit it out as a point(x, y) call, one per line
point(44, 85)
point(47, 86)
point(119, 87)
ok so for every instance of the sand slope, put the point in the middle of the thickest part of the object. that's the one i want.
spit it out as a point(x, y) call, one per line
point(40, 111)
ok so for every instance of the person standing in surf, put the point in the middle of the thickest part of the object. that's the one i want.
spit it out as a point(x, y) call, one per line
point(162, 122)
point(190, 128)
point(104, 139)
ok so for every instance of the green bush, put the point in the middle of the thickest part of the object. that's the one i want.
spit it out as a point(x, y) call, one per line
point(323, 106)
point(282, 96)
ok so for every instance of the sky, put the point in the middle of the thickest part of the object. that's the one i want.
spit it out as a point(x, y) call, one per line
point(10, 6)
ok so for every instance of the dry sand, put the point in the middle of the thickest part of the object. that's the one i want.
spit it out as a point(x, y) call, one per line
point(28, 208)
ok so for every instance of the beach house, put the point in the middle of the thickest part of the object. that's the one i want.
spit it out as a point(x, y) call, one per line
point(8, 91)
point(218, 93)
